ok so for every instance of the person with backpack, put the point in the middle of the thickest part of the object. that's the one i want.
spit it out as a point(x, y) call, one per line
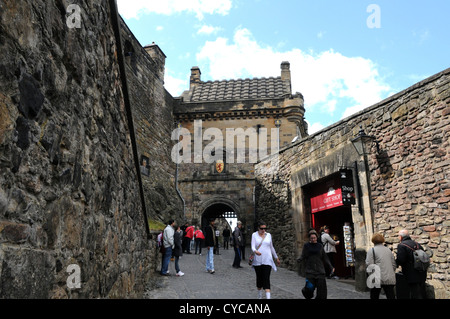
point(414, 270)
point(168, 244)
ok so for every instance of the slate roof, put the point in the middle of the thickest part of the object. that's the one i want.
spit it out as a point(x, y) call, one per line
point(241, 89)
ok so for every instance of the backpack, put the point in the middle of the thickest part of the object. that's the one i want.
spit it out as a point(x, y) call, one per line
point(420, 258)
point(160, 239)
point(162, 250)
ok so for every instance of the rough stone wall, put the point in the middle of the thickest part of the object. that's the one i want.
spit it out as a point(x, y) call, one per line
point(409, 182)
point(152, 108)
point(68, 184)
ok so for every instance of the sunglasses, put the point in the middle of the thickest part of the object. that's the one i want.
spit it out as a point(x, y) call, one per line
point(263, 228)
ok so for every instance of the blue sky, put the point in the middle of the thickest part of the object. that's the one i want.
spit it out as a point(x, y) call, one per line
point(345, 55)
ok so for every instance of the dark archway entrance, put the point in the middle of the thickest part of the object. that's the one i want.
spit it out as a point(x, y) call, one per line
point(215, 211)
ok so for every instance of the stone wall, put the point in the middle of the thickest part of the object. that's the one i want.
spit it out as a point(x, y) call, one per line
point(68, 182)
point(407, 185)
point(152, 108)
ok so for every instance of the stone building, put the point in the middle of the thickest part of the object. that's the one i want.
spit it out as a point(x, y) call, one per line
point(229, 125)
point(89, 154)
point(400, 180)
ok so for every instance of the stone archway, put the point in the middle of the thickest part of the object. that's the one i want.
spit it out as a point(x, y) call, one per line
point(216, 208)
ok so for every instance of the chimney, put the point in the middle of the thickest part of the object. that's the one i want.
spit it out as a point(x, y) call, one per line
point(286, 75)
point(159, 57)
point(195, 77)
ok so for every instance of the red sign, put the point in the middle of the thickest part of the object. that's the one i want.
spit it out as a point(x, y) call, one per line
point(330, 199)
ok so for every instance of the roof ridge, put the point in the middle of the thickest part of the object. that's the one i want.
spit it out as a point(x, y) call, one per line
point(241, 79)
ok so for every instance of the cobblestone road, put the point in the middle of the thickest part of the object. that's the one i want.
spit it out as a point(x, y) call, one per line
point(231, 283)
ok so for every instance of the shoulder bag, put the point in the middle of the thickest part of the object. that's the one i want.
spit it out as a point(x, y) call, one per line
point(252, 256)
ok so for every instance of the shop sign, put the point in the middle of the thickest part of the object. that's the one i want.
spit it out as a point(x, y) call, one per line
point(330, 199)
point(347, 187)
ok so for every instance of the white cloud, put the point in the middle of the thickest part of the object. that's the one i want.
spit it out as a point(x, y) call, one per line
point(208, 30)
point(173, 85)
point(315, 127)
point(324, 78)
point(135, 8)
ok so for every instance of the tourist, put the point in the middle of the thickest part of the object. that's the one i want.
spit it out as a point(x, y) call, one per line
point(189, 234)
point(405, 258)
point(168, 243)
point(226, 237)
point(329, 245)
point(382, 256)
point(217, 234)
point(210, 243)
point(178, 250)
point(199, 240)
point(237, 243)
point(263, 263)
point(314, 260)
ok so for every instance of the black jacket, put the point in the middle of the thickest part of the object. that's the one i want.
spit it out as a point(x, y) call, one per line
point(405, 259)
point(314, 260)
point(210, 237)
point(178, 250)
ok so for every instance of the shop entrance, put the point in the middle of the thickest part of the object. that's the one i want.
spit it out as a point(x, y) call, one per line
point(336, 218)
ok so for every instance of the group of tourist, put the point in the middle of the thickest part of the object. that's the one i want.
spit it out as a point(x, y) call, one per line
point(315, 258)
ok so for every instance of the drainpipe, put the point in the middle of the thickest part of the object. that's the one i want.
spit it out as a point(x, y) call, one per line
point(176, 184)
point(179, 192)
point(120, 59)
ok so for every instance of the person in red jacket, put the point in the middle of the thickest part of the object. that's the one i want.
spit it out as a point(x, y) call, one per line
point(199, 240)
point(188, 237)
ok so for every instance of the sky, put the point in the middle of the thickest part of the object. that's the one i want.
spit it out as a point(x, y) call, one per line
point(345, 55)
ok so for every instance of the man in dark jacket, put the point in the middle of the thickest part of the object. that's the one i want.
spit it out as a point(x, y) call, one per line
point(210, 243)
point(405, 259)
point(237, 243)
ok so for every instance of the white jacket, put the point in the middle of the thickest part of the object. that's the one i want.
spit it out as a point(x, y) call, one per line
point(168, 237)
point(328, 243)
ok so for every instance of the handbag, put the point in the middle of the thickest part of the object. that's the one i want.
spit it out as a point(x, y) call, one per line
point(252, 255)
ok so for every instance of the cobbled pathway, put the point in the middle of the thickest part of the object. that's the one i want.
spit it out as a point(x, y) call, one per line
point(231, 283)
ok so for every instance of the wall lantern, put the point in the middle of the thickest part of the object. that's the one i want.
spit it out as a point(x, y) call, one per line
point(277, 181)
point(277, 184)
point(361, 142)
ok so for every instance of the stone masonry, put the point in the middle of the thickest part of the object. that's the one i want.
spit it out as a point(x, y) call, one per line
point(406, 183)
point(69, 191)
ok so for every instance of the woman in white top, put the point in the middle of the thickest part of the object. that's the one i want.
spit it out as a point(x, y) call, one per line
point(263, 263)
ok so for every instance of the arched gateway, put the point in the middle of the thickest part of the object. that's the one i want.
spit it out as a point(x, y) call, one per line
point(247, 119)
point(217, 208)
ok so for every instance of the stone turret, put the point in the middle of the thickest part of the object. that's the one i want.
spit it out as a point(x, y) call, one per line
point(159, 57)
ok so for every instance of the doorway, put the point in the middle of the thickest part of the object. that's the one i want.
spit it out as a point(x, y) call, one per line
point(336, 218)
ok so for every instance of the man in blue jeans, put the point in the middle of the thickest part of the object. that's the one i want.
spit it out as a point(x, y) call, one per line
point(169, 244)
point(210, 243)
